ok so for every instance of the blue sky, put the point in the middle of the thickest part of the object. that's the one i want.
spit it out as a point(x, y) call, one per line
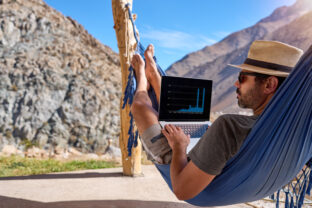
point(175, 27)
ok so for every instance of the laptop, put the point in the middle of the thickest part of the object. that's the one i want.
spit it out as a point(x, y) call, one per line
point(186, 102)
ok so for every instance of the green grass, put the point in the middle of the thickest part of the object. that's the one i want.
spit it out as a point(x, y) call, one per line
point(18, 166)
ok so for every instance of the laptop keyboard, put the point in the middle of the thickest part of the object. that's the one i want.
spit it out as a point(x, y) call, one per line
point(194, 130)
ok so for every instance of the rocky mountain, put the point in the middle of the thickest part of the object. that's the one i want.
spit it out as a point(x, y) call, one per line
point(59, 86)
point(290, 24)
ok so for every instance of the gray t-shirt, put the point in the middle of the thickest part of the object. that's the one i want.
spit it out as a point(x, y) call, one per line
point(221, 141)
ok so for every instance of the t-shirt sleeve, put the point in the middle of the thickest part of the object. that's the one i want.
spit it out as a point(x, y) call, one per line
point(216, 146)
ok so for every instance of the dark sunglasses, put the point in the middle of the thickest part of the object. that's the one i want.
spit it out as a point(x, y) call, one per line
point(242, 77)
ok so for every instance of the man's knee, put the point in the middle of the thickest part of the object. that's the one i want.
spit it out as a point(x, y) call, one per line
point(137, 107)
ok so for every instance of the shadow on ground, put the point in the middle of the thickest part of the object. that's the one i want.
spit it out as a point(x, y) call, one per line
point(63, 176)
point(9, 202)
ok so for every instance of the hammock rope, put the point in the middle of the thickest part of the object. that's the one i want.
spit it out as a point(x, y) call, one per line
point(275, 151)
point(131, 86)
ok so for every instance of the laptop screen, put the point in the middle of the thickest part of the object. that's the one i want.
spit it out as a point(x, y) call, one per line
point(184, 99)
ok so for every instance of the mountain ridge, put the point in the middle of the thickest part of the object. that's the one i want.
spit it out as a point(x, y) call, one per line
point(211, 61)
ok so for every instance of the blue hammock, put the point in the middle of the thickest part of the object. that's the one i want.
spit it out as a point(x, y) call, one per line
point(275, 151)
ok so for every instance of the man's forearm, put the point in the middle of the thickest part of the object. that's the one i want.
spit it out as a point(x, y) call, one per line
point(178, 163)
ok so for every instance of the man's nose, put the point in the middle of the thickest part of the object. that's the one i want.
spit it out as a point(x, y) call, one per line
point(236, 84)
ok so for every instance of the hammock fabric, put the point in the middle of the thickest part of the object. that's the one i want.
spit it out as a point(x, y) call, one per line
point(275, 151)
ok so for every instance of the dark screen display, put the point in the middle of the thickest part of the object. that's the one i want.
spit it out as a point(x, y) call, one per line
point(185, 99)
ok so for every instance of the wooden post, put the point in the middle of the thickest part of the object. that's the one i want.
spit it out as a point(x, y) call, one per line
point(126, 44)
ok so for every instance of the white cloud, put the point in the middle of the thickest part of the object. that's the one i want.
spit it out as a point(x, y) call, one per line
point(172, 39)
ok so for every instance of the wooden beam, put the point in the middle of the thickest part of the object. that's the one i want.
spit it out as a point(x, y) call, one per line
point(126, 44)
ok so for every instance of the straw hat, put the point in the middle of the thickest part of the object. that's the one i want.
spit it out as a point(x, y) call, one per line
point(271, 57)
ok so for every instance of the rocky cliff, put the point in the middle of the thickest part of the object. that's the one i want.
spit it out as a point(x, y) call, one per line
point(59, 86)
point(287, 24)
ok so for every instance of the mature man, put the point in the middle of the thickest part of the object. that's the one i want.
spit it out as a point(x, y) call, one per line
point(267, 65)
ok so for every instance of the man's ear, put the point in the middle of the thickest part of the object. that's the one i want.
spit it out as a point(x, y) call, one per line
point(271, 85)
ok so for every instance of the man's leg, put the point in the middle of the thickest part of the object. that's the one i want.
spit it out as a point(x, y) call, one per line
point(142, 110)
point(146, 118)
point(151, 71)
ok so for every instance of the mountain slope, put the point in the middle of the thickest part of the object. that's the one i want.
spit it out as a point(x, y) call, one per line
point(297, 33)
point(59, 85)
point(211, 62)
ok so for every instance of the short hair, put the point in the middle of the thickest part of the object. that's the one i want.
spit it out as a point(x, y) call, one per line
point(261, 79)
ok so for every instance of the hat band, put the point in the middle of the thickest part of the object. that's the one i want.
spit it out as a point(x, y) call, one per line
point(268, 65)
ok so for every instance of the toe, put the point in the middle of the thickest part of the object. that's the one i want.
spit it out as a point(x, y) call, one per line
point(149, 52)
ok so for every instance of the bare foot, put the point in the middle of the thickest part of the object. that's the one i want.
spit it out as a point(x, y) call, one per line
point(150, 68)
point(151, 71)
point(137, 63)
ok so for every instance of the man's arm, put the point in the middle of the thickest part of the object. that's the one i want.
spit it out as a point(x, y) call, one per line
point(186, 178)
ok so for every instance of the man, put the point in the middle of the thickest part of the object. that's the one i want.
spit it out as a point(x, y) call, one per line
point(267, 65)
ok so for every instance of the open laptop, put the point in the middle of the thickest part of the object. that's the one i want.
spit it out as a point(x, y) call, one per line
point(186, 102)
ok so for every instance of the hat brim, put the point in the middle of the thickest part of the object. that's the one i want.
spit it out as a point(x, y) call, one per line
point(260, 70)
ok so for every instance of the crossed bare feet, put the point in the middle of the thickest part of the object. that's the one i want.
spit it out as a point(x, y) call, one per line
point(149, 75)
point(151, 71)
point(138, 64)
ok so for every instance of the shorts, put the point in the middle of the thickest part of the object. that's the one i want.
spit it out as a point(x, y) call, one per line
point(156, 145)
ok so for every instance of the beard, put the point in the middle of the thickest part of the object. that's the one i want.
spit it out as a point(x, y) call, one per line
point(250, 99)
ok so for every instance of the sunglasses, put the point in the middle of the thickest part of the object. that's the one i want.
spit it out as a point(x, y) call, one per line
point(242, 77)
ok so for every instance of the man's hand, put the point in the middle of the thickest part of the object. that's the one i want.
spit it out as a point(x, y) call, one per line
point(176, 138)
point(186, 178)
